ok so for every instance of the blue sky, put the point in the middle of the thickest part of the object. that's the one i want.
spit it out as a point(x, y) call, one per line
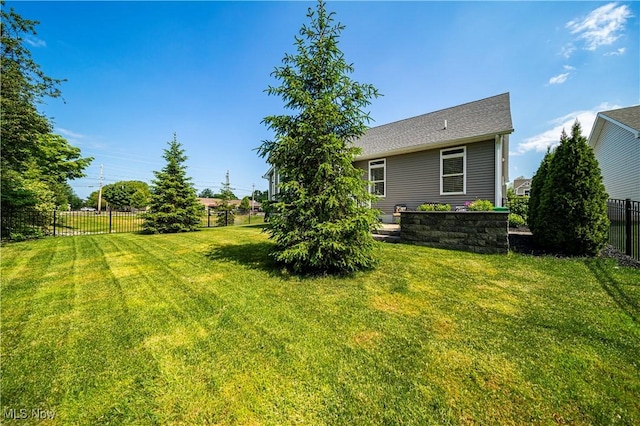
point(139, 71)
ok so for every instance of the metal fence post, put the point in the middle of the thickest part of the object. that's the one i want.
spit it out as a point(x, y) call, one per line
point(627, 226)
point(54, 221)
point(110, 221)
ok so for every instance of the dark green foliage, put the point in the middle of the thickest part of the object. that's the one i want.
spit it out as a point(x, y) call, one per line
point(571, 216)
point(127, 195)
point(260, 196)
point(206, 193)
point(320, 221)
point(174, 206)
point(534, 220)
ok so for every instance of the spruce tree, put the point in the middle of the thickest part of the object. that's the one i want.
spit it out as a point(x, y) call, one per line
point(572, 214)
point(226, 210)
point(321, 222)
point(174, 206)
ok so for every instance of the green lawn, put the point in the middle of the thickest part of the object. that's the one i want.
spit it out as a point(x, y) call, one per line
point(201, 328)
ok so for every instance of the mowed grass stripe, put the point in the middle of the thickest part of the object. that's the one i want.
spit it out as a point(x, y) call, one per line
point(35, 343)
point(105, 368)
point(202, 328)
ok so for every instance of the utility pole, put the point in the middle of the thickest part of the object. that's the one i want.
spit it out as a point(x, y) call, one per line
point(100, 192)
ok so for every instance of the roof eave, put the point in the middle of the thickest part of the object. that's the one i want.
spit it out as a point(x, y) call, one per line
point(430, 146)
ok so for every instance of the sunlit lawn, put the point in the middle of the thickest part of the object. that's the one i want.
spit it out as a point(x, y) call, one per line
point(201, 328)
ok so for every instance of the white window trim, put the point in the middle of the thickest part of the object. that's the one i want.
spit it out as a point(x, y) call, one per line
point(462, 154)
point(383, 165)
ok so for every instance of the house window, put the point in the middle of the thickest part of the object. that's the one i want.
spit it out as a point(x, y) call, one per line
point(378, 177)
point(453, 166)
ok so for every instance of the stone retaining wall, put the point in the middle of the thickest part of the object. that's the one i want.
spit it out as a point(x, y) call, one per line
point(478, 232)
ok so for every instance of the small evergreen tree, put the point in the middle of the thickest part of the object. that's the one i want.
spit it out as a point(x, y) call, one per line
point(572, 211)
point(226, 210)
point(174, 206)
point(320, 221)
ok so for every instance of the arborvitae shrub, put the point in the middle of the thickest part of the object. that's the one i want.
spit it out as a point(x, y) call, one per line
point(537, 183)
point(571, 217)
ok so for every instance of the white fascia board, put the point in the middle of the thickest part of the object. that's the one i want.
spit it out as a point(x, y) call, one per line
point(269, 173)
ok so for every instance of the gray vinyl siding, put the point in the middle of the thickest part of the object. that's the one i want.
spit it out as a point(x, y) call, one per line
point(618, 153)
point(413, 179)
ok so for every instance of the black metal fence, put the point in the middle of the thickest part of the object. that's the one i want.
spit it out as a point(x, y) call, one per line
point(624, 233)
point(19, 225)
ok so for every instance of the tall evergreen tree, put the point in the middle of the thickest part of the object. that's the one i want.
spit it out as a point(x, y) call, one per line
point(321, 222)
point(174, 206)
point(572, 214)
point(537, 183)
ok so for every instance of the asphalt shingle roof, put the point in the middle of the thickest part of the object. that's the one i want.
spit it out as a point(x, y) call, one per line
point(467, 122)
point(628, 116)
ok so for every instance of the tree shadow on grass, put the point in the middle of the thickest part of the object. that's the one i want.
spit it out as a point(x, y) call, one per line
point(626, 302)
point(251, 255)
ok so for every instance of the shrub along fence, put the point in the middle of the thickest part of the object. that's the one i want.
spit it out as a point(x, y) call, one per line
point(23, 224)
point(624, 233)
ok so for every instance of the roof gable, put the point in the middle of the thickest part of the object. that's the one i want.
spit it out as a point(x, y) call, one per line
point(627, 118)
point(469, 122)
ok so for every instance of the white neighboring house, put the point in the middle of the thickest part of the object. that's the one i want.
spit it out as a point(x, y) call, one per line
point(522, 186)
point(615, 139)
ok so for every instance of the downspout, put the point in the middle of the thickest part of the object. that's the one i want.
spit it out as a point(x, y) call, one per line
point(498, 172)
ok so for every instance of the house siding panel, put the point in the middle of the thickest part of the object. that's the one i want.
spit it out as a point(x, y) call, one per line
point(413, 179)
point(618, 153)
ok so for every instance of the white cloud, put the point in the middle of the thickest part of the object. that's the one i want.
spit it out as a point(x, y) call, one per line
point(69, 133)
point(616, 52)
point(602, 26)
point(559, 79)
point(551, 137)
point(568, 50)
point(35, 41)
point(568, 68)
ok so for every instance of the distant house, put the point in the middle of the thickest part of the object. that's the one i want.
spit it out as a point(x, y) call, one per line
point(615, 139)
point(213, 203)
point(522, 186)
point(449, 156)
point(210, 203)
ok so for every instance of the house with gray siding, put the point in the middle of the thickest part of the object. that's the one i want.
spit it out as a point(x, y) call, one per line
point(522, 186)
point(615, 139)
point(450, 156)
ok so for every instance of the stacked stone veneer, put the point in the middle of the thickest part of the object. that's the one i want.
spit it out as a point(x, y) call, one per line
point(478, 232)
